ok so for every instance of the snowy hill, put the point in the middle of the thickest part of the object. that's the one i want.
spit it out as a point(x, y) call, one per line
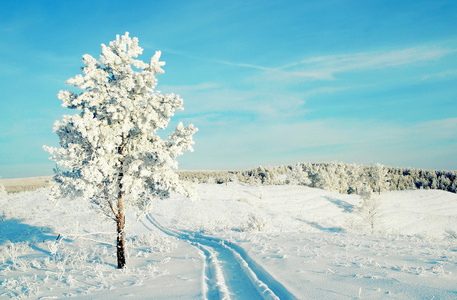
point(236, 241)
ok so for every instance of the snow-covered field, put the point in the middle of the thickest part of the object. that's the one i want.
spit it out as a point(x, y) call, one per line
point(237, 241)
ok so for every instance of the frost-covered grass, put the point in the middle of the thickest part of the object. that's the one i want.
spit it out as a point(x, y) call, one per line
point(318, 244)
point(68, 250)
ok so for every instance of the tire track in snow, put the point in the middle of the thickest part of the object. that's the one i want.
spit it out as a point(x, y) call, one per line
point(214, 286)
point(213, 283)
point(229, 272)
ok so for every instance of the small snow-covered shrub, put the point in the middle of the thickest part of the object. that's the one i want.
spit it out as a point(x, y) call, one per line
point(12, 251)
point(255, 222)
point(365, 192)
point(369, 211)
point(154, 242)
point(20, 288)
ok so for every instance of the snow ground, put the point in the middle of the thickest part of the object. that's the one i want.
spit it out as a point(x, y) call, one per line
point(237, 241)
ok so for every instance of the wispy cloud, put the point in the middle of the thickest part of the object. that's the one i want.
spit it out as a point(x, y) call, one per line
point(18, 25)
point(448, 73)
point(213, 60)
point(226, 100)
point(325, 67)
point(10, 69)
point(57, 59)
point(325, 90)
point(428, 144)
point(243, 65)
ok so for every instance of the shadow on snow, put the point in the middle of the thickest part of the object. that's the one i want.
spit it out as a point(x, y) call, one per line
point(346, 207)
point(13, 230)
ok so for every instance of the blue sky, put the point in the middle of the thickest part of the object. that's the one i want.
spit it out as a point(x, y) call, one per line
point(266, 82)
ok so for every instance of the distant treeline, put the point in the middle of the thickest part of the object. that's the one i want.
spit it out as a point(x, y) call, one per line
point(339, 177)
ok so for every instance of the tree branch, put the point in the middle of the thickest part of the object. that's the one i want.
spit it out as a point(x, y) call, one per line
point(105, 192)
point(112, 209)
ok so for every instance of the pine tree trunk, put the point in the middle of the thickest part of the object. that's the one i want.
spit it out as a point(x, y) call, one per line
point(120, 245)
point(120, 218)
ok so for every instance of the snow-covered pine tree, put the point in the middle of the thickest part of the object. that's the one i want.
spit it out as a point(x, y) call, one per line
point(298, 176)
point(327, 177)
point(380, 178)
point(342, 178)
point(355, 183)
point(110, 151)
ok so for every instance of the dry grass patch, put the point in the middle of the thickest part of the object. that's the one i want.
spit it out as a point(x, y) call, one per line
point(16, 185)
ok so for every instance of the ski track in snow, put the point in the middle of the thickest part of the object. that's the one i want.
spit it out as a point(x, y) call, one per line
point(229, 273)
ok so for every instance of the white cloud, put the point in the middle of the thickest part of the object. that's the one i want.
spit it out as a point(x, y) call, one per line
point(230, 138)
point(448, 73)
point(209, 98)
point(325, 67)
point(212, 60)
point(10, 69)
point(58, 59)
point(428, 144)
point(237, 64)
point(326, 90)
